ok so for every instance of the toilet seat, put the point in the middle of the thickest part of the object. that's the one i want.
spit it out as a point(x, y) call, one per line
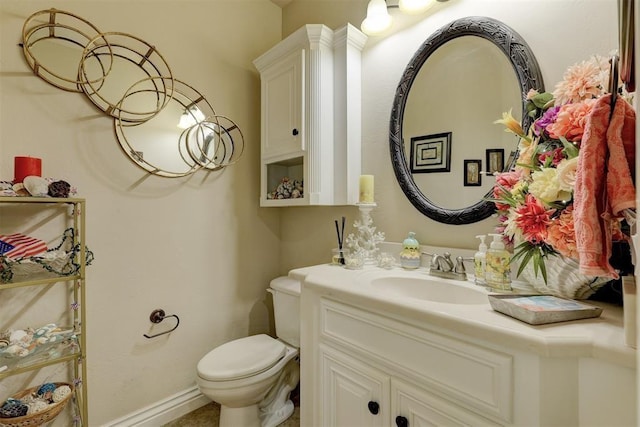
point(241, 358)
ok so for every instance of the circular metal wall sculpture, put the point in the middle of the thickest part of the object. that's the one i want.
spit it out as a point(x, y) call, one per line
point(162, 124)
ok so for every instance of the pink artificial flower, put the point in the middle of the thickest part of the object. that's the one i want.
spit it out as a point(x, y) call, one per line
point(571, 120)
point(533, 219)
point(561, 234)
point(504, 183)
point(584, 80)
point(508, 179)
point(555, 155)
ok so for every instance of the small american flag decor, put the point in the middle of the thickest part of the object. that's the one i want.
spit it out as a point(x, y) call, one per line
point(18, 245)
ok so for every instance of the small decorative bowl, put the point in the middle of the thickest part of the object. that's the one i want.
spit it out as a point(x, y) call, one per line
point(353, 261)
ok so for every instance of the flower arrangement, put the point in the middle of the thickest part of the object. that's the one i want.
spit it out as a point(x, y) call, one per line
point(534, 199)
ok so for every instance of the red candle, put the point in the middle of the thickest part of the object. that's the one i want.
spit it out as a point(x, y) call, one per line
point(26, 166)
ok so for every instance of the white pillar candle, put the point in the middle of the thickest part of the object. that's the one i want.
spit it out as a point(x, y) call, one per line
point(366, 189)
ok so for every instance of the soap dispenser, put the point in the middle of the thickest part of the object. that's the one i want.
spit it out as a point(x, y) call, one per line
point(498, 272)
point(480, 261)
point(410, 254)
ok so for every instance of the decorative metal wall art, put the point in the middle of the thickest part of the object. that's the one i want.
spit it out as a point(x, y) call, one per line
point(163, 125)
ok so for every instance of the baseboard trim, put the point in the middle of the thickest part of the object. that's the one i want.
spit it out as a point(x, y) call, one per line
point(163, 411)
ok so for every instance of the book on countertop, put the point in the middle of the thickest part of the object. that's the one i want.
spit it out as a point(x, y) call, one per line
point(542, 309)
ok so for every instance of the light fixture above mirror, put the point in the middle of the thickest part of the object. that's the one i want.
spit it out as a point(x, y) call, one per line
point(378, 18)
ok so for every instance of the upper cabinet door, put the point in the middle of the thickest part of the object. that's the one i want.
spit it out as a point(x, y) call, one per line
point(283, 107)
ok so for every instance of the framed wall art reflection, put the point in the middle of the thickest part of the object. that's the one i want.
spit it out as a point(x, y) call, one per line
point(472, 174)
point(511, 161)
point(431, 153)
point(495, 160)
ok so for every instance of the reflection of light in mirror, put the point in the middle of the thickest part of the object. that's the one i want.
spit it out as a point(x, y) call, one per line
point(190, 117)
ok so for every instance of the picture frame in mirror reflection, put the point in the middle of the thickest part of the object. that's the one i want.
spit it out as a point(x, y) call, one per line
point(431, 153)
point(472, 173)
point(495, 160)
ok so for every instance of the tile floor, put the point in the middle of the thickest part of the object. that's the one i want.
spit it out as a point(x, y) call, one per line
point(208, 416)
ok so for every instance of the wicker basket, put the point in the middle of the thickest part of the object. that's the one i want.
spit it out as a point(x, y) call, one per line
point(39, 418)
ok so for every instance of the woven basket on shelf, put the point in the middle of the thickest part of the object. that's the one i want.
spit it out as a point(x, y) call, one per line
point(39, 418)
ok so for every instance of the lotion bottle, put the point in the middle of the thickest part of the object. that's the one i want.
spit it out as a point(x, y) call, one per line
point(498, 272)
point(480, 262)
point(410, 254)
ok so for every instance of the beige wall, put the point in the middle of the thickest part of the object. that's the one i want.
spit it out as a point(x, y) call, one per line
point(559, 32)
point(198, 247)
point(201, 247)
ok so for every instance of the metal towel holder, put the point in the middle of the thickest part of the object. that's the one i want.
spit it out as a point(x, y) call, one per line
point(157, 316)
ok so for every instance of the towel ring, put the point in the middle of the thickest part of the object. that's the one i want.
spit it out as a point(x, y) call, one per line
point(158, 316)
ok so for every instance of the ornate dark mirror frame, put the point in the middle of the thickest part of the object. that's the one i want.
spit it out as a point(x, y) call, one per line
point(529, 77)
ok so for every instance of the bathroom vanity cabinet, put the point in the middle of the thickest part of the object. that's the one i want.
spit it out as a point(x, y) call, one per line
point(48, 290)
point(369, 359)
point(310, 115)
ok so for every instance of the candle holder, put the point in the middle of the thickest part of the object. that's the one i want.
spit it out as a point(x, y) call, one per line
point(366, 240)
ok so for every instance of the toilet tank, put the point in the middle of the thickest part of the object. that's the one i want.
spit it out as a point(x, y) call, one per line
point(286, 309)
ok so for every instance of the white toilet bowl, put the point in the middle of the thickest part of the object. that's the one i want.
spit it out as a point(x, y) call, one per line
point(239, 375)
point(251, 377)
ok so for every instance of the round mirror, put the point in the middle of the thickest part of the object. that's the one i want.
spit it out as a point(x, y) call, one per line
point(444, 145)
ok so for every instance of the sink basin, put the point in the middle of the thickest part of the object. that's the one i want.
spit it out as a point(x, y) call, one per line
point(430, 290)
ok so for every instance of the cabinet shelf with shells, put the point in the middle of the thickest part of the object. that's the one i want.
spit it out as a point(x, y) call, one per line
point(43, 258)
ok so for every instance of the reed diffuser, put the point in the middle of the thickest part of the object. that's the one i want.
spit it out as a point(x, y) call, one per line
point(339, 257)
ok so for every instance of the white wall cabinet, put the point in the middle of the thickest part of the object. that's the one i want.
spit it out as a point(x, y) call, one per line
point(310, 115)
point(369, 367)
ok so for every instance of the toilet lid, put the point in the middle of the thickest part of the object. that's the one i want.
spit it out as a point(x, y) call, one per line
point(241, 358)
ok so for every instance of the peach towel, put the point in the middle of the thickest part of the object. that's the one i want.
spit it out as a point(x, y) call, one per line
point(604, 183)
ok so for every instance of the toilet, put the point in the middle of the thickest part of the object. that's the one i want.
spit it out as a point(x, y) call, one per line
point(251, 378)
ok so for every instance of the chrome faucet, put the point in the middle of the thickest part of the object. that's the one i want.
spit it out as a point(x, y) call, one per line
point(442, 266)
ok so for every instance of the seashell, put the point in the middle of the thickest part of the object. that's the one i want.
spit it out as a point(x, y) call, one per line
point(36, 406)
point(13, 408)
point(61, 393)
point(17, 335)
point(36, 185)
point(46, 389)
point(16, 351)
point(45, 330)
point(59, 189)
point(19, 189)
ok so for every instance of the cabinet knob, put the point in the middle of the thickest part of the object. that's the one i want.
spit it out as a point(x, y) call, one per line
point(374, 407)
point(402, 421)
point(295, 132)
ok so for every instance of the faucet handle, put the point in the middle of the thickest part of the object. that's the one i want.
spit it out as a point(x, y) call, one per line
point(434, 260)
point(459, 268)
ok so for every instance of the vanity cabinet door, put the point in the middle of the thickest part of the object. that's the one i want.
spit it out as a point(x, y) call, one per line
point(283, 107)
point(353, 393)
point(415, 407)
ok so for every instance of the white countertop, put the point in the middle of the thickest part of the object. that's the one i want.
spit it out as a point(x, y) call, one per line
point(599, 338)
